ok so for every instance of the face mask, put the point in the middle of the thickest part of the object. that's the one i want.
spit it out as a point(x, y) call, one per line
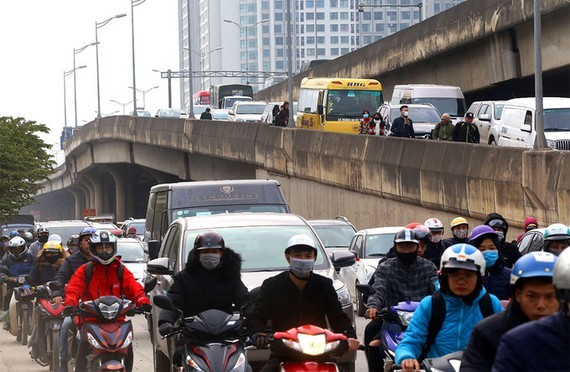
point(407, 258)
point(376, 120)
point(406, 114)
point(460, 233)
point(210, 260)
point(490, 257)
point(365, 116)
point(435, 238)
point(52, 259)
point(301, 268)
point(501, 235)
point(43, 238)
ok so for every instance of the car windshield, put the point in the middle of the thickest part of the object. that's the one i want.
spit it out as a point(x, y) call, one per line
point(418, 114)
point(499, 111)
point(557, 120)
point(351, 103)
point(238, 208)
point(261, 247)
point(139, 226)
point(378, 244)
point(130, 251)
point(335, 236)
point(65, 231)
point(452, 106)
point(230, 101)
point(250, 109)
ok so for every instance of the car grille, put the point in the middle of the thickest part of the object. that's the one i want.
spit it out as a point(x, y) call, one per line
point(563, 145)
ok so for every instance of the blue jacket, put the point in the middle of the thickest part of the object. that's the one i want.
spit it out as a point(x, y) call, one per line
point(497, 281)
point(460, 319)
point(15, 267)
point(542, 345)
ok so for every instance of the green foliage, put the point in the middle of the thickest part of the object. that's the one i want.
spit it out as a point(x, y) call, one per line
point(24, 162)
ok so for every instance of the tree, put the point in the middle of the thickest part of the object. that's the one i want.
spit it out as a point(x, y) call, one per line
point(24, 163)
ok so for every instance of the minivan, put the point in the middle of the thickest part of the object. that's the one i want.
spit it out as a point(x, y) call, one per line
point(518, 122)
point(170, 201)
point(446, 98)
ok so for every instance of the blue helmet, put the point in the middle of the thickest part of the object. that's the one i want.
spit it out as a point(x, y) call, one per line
point(532, 265)
point(87, 231)
point(13, 234)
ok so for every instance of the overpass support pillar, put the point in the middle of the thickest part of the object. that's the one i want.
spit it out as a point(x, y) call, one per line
point(122, 187)
point(79, 197)
point(96, 190)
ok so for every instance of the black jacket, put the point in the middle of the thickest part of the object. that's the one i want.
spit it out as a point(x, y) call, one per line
point(206, 116)
point(399, 129)
point(287, 307)
point(196, 289)
point(68, 268)
point(454, 240)
point(433, 252)
point(509, 251)
point(464, 132)
point(484, 342)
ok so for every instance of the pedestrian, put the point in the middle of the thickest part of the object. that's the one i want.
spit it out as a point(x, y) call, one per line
point(403, 126)
point(378, 124)
point(443, 130)
point(364, 127)
point(466, 131)
point(274, 113)
point(530, 223)
point(206, 115)
point(534, 297)
point(282, 119)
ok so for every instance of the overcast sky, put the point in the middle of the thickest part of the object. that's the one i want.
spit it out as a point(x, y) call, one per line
point(37, 39)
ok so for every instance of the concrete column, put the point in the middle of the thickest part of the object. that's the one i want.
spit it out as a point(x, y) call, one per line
point(95, 188)
point(121, 193)
point(87, 191)
point(79, 196)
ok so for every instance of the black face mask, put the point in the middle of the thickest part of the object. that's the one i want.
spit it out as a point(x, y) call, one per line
point(407, 258)
point(43, 238)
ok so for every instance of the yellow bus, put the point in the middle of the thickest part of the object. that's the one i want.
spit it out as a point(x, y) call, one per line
point(336, 104)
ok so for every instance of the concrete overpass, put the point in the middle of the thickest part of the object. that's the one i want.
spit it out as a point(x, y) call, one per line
point(375, 181)
point(484, 46)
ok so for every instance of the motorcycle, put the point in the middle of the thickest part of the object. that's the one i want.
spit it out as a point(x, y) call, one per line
point(212, 339)
point(24, 295)
point(396, 320)
point(447, 363)
point(52, 315)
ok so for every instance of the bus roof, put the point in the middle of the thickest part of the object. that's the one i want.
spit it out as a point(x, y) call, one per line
point(340, 83)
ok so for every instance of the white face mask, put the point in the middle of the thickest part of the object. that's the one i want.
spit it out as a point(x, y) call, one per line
point(406, 113)
point(436, 238)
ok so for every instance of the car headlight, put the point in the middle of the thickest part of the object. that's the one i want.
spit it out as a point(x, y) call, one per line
point(551, 143)
point(405, 317)
point(344, 296)
point(93, 342)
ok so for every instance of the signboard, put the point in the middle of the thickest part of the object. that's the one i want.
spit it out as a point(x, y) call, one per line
point(89, 212)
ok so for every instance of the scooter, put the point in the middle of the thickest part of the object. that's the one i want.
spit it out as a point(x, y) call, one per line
point(212, 339)
point(52, 315)
point(447, 363)
point(396, 320)
point(24, 295)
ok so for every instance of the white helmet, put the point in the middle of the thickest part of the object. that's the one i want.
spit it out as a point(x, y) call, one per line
point(55, 238)
point(463, 256)
point(14, 243)
point(561, 278)
point(434, 225)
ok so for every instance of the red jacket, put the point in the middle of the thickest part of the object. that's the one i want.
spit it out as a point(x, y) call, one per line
point(103, 283)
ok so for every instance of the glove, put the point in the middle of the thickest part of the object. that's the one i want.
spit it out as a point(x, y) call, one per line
point(165, 329)
point(261, 340)
point(146, 308)
point(3, 278)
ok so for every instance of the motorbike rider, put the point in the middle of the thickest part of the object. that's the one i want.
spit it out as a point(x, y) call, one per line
point(73, 244)
point(132, 232)
point(70, 266)
point(509, 251)
point(210, 280)
point(49, 260)
point(530, 223)
point(17, 262)
point(534, 297)
point(297, 297)
point(405, 277)
point(497, 276)
point(435, 246)
point(556, 238)
point(461, 286)
point(542, 345)
point(4, 239)
point(104, 282)
point(460, 232)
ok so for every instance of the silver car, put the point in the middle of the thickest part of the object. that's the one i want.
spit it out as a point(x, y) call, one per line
point(260, 239)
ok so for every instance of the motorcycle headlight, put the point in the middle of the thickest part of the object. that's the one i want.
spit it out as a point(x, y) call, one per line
point(109, 311)
point(192, 364)
point(93, 342)
point(128, 340)
point(405, 317)
point(240, 361)
point(344, 296)
point(312, 344)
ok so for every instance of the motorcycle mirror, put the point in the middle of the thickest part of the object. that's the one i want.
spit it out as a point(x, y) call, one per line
point(55, 285)
point(164, 302)
point(150, 284)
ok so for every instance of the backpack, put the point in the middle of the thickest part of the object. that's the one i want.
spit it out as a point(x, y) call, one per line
point(89, 274)
point(438, 315)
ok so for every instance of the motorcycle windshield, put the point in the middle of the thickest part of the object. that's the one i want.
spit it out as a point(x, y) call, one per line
point(213, 322)
point(216, 357)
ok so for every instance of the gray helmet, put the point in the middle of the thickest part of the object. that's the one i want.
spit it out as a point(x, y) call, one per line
point(561, 278)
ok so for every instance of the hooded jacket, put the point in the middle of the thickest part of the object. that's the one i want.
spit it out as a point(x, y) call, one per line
point(460, 318)
point(196, 289)
point(527, 221)
point(44, 271)
point(484, 342)
point(509, 251)
point(497, 278)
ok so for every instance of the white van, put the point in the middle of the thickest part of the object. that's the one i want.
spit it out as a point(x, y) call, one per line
point(518, 123)
point(446, 98)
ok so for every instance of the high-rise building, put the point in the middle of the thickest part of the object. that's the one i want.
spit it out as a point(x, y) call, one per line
point(251, 35)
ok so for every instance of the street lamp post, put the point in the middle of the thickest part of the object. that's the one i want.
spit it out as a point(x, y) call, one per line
point(134, 3)
point(144, 92)
point(190, 87)
point(65, 74)
point(124, 105)
point(98, 25)
point(167, 75)
point(77, 51)
point(246, 29)
point(291, 122)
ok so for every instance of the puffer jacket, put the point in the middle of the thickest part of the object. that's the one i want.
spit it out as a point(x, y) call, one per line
point(69, 266)
point(12, 266)
point(497, 280)
point(43, 271)
point(460, 319)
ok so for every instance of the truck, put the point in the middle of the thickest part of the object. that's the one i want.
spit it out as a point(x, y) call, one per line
point(220, 91)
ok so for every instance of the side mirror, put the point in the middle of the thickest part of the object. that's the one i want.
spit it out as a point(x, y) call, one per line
point(526, 128)
point(343, 258)
point(150, 283)
point(485, 117)
point(159, 266)
point(320, 109)
point(153, 249)
point(164, 302)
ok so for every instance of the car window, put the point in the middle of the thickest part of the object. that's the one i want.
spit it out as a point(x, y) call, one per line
point(499, 111)
point(378, 245)
point(484, 110)
point(358, 245)
point(250, 109)
point(171, 246)
point(335, 236)
point(130, 251)
point(261, 247)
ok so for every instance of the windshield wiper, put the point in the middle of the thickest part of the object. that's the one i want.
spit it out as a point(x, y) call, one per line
point(556, 129)
point(376, 254)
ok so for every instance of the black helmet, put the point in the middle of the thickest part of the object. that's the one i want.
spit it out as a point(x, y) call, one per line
point(406, 236)
point(209, 239)
point(102, 237)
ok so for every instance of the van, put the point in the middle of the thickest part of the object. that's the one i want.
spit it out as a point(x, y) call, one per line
point(487, 119)
point(518, 123)
point(446, 98)
point(170, 201)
